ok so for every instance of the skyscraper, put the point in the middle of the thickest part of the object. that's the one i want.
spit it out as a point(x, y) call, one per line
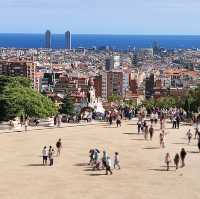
point(48, 39)
point(149, 86)
point(112, 62)
point(109, 64)
point(68, 40)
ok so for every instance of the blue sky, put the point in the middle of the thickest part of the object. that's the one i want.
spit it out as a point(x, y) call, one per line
point(101, 16)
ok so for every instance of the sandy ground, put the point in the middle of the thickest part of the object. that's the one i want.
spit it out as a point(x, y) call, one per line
point(143, 174)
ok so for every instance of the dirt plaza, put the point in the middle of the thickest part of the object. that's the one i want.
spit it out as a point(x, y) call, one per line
point(143, 172)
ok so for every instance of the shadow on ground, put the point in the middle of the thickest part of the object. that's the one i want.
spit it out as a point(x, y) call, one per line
point(193, 152)
point(180, 143)
point(96, 174)
point(131, 133)
point(159, 170)
point(35, 165)
point(110, 127)
point(151, 148)
point(81, 164)
point(139, 139)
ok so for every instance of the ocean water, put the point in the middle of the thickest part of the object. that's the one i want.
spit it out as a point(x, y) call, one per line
point(122, 42)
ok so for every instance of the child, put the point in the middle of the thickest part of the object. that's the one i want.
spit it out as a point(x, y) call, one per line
point(116, 160)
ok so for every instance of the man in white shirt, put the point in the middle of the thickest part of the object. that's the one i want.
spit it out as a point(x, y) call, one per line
point(108, 166)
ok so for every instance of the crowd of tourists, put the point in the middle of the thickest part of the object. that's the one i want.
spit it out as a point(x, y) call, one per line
point(176, 116)
point(156, 116)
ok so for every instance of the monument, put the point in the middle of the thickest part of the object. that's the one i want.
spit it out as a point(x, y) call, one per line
point(94, 102)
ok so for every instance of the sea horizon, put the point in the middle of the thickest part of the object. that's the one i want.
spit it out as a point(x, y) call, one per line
point(116, 41)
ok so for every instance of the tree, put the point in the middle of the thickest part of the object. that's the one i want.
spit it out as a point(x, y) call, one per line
point(14, 82)
point(114, 98)
point(130, 103)
point(149, 104)
point(67, 106)
point(18, 98)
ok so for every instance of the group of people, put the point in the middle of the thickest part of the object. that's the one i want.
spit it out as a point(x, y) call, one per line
point(19, 123)
point(104, 162)
point(177, 159)
point(175, 121)
point(114, 117)
point(197, 136)
point(183, 153)
point(143, 127)
point(49, 154)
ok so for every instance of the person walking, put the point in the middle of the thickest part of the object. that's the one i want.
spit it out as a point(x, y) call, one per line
point(91, 155)
point(146, 132)
point(167, 160)
point(161, 122)
point(176, 160)
point(177, 121)
point(116, 161)
point(51, 154)
point(44, 155)
point(152, 118)
point(108, 166)
point(162, 142)
point(174, 122)
point(96, 156)
point(139, 124)
point(59, 118)
point(58, 146)
point(197, 133)
point(189, 135)
point(118, 121)
point(183, 155)
point(26, 125)
point(21, 120)
point(156, 117)
point(151, 132)
point(104, 159)
point(110, 119)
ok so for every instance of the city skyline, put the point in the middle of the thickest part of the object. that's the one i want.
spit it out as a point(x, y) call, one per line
point(101, 17)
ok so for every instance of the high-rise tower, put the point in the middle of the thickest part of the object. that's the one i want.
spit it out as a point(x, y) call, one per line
point(48, 39)
point(68, 40)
